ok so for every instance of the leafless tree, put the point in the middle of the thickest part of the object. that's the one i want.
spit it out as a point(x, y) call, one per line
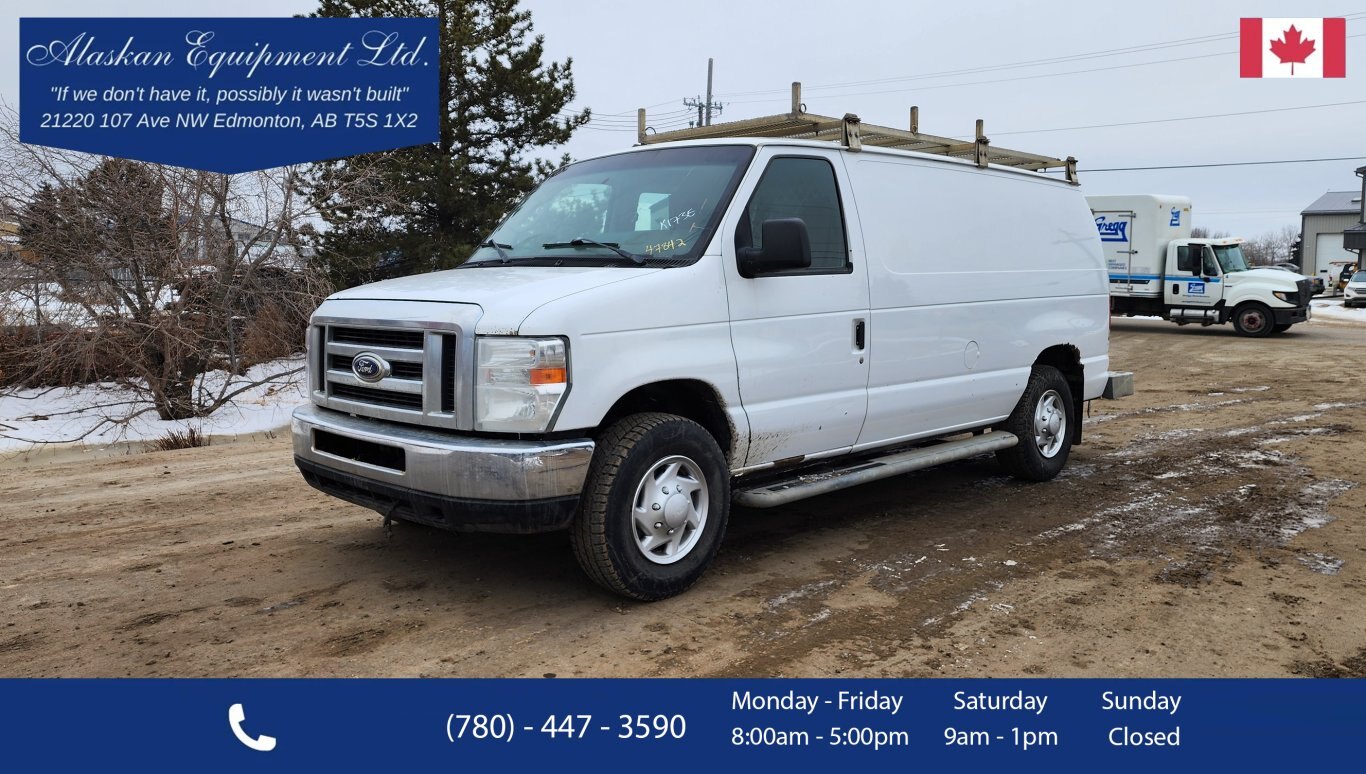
point(150, 276)
point(1200, 232)
point(1271, 247)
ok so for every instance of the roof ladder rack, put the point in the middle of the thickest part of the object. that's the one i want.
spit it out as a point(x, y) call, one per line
point(853, 134)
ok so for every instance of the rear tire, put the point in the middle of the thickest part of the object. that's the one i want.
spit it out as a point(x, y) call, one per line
point(1253, 320)
point(1042, 420)
point(654, 507)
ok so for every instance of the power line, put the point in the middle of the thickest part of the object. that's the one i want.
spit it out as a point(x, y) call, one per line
point(1022, 77)
point(991, 68)
point(680, 118)
point(1186, 118)
point(626, 121)
point(632, 120)
point(1250, 212)
point(1026, 63)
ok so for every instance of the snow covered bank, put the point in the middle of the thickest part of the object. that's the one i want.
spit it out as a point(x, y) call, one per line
point(29, 418)
point(1334, 310)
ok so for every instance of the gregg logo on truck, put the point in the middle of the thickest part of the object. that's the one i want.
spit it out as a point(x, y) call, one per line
point(1112, 230)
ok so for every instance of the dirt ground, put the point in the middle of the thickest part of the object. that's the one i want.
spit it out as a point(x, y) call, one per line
point(1211, 525)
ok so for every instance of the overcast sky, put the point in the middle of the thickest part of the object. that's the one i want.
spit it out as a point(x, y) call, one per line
point(877, 59)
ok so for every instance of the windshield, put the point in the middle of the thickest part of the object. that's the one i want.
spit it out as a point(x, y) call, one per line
point(1230, 258)
point(630, 208)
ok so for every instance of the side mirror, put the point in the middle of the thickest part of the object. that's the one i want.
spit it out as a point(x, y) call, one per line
point(786, 247)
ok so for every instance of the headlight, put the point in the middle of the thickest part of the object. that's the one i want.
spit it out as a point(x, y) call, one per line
point(1287, 296)
point(519, 383)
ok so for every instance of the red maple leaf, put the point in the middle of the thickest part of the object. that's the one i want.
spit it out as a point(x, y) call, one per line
point(1292, 48)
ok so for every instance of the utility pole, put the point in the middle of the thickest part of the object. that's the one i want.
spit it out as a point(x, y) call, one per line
point(707, 107)
point(709, 62)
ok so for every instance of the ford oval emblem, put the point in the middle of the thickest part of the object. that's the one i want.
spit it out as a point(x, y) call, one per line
point(369, 367)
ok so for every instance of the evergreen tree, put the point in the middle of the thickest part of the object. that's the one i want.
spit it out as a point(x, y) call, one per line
point(431, 204)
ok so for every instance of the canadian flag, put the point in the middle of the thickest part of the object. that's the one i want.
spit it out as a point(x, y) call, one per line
point(1293, 48)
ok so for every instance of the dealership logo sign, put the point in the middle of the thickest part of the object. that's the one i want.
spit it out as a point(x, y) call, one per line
point(228, 95)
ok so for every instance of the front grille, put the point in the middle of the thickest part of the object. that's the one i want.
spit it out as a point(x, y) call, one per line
point(401, 369)
point(448, 361)
point(423, 372)
point(1306, 291)
point(378, 337)
point(401, 400)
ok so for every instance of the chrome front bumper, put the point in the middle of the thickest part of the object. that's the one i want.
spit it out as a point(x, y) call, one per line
point(440, 478)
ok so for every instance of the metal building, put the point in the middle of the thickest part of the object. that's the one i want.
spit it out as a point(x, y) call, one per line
point(1354, 238)
point(1321, 227)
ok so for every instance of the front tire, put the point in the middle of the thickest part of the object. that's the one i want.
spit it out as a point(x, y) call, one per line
point(1253, 320)
point(654, 507)
point(1042, 420)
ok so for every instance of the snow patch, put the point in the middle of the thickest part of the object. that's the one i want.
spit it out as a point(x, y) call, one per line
point(31, 417)
point(1321, 563)
point(798, 593)
point(972, 599)
point(1327, 406)
point(1334, 310)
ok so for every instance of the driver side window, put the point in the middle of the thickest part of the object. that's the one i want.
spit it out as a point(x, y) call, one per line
point(804, 188)
point(1186, 259)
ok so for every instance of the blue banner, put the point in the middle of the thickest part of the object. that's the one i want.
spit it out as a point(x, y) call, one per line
point(228, 95)
point(680, 725)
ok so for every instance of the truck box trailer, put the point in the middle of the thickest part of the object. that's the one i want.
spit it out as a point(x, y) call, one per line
point(1157, 270)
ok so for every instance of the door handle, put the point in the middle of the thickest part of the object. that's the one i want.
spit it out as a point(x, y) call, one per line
point(1176, 288)
point(859, 335)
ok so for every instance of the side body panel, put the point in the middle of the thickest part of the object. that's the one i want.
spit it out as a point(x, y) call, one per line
point(974, 273)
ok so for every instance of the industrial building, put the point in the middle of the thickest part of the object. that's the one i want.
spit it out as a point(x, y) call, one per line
point(1332, 232)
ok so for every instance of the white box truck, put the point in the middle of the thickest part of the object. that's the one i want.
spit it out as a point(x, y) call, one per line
point(1157, 270)
point(654, 334)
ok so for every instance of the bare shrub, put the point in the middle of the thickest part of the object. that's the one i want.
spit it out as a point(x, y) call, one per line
point(150, 276)
point(192, 438)
point(275, 331)
point(54, 357)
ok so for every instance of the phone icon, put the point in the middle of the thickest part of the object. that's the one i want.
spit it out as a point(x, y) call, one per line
point(262, 743)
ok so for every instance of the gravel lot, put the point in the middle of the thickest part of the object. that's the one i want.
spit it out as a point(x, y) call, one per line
point(1212, 525)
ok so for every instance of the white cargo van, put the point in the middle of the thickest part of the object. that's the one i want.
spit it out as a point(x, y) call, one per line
point(1158, 270)
point(654, 334)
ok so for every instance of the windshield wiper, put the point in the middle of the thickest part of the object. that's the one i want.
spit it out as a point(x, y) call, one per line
point(639, 260)
point(501, 248)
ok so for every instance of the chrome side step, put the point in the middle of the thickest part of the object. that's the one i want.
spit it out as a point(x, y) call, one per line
point(811, 484)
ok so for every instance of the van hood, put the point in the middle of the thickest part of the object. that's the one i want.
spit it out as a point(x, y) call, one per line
point(507, 294)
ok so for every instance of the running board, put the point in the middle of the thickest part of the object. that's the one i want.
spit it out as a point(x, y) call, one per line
point(823, 482)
